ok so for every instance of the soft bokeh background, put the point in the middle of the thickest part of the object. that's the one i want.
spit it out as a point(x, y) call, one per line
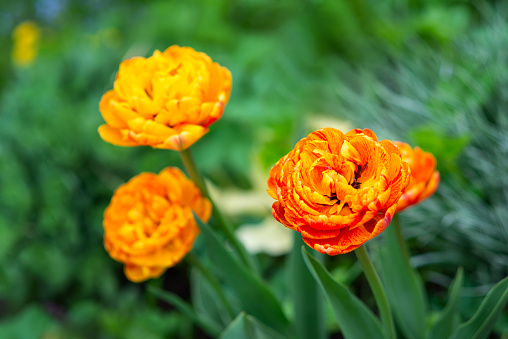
point(428, 72)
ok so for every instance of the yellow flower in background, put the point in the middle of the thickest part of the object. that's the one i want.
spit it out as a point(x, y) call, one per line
point(165, 101)
point(149, 225)
point(26, 37)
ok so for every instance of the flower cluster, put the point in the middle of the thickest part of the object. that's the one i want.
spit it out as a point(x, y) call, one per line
point(149, 224)
point(165, 101)
point(338, 190)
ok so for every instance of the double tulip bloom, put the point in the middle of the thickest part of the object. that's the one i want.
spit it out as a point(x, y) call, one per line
point(165, 101)
point(149, 225)
point(338, 190)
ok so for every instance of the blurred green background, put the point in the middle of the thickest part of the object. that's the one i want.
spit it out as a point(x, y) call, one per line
point(431, 73)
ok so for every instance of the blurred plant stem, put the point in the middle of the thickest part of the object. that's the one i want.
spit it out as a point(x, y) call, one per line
point(225, 227)
point(195, 261)
point(377, 290)
point(400, 238)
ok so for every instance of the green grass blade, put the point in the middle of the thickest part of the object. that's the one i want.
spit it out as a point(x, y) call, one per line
point(354, 318)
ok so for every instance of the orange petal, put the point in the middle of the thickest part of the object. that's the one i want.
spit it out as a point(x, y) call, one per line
point(349, 240)
point(108, 112)
point(141, 273)
point(185, 137)
point(114, 136)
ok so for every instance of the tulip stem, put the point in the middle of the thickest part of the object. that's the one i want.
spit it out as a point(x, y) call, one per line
point(400, 238)
point(225, 227)
point(196, 262)
point(377, 290)
point(192, 170)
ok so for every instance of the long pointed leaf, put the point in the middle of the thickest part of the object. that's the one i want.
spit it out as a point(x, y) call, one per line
point(484, 319)
point(403, 285)
point(355, 319)
point(206, 301)
point(247, 327)
point(238, 328)
point(254, 295)
point(447, 320)
point(205, 323)
point(307, 299)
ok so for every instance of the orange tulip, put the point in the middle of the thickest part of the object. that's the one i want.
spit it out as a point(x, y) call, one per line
point(338, 190)
point(424, 177)
point(149, 224)
point(165, 101)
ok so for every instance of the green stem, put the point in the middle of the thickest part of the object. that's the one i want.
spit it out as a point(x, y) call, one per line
point(192, 171)
point(400, 238)
point(377, 290)
point(224, 226)
point(196, 262)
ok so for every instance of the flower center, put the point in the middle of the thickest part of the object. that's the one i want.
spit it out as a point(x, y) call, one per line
point(358, 173)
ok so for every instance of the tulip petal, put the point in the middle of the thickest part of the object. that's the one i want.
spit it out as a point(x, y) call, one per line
point(141, 273)
point(114, 136)
point(424, 178)
point(185, 137)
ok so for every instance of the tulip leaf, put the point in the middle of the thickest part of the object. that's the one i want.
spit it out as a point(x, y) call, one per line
point(245, 326)
point(485, 317)
point(403, 285)
point(355, 319)
point(256, 298)
point(307, 299)
point(205, 299)
point(447, 320)
point(208, 325)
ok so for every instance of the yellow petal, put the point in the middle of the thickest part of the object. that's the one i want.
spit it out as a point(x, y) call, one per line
point(114, 136)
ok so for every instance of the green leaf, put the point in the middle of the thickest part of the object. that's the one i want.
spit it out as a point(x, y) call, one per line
point(309, 314)
point(245, 326)
point(403, 286)
point(205, 323)
point(257, 299)
point(206, 300)
point(484, 319)
point(448, 318)
point(30, 323)
point(355, 319)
